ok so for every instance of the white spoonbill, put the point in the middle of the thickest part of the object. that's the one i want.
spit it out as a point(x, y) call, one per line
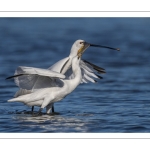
point(32, 82)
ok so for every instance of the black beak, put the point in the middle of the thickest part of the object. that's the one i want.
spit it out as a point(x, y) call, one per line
point(94, 45)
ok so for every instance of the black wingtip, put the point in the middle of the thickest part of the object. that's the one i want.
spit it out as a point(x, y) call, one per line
point(8, 77)
point(14, 76)
point(99, 77)
point(95, 81)
point(97, 68)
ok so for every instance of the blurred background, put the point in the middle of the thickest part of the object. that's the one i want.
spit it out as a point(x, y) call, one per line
point(120, 102)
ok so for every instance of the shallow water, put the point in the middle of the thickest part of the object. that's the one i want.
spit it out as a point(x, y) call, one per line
point(120, 102)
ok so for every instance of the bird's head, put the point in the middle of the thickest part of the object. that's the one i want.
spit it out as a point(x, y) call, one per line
point(80, 46)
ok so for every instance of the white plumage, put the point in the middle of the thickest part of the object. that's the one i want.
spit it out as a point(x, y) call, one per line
point(36, 80)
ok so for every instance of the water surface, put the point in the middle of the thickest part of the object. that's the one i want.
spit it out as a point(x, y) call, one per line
point(120, 102)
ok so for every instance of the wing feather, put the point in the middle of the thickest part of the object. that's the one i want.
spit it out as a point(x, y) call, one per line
point(89, 72)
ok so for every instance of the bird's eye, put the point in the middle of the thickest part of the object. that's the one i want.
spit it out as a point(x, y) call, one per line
point(81, 42)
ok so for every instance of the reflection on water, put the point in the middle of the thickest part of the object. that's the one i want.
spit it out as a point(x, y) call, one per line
point(120, 102)
point(50, 123)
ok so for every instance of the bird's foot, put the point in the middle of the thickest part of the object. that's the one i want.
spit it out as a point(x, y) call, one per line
point(39, 113)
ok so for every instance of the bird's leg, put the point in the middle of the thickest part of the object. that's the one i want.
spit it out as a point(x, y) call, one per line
point(53, 108)
point(46, 103)
point(32, 109)
point(39, 113)
point(49, 107)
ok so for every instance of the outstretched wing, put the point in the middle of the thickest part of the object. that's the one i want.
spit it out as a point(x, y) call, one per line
point(30, 78)
point(38, 78)
point(89, 72)
point(21, 70)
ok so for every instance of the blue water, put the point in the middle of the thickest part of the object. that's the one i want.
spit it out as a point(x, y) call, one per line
point(120, 102)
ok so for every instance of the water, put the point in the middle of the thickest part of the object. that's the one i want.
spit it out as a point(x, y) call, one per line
point(120, 102)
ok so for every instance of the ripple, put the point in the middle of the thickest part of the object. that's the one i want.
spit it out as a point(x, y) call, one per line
point(120, 102)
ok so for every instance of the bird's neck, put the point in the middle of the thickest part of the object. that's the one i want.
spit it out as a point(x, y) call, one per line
point(76, 70)
point(73, 51)
point(73, 83)
point(72, 54)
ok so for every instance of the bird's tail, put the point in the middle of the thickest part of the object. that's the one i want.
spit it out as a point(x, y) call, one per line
point(15, 100)
point(12, 100)
point(18, 99)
